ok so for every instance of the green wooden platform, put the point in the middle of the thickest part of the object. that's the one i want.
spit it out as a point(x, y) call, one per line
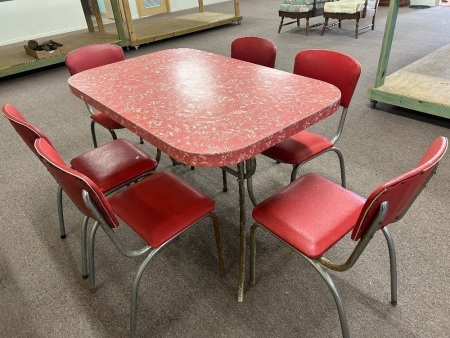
point(421, 86)
point(14, 59)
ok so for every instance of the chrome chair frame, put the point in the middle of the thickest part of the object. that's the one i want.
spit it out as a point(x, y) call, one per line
point(84, 231)
point(322, 262)
point(376, 219)
point(100, 221)
point(295, 168)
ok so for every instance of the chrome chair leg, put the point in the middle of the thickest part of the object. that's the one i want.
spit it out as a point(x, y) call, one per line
point(111, 131)
point(317, 266)
point(62, 228)
point(342, 165)
point(158, 155)
point(253, 253)
point(296, 167)
point(94, 137)
point(242, 230)
point(393, 265)
point(224, 180)
point(113, 134)
point(216, 225)
point(294, 172)
point(174, 162)
point(334, 291)
point(134, 292)
point(250, 191)
point(151, 254)
point(250, 169)
point(84, 248)
point(91, 255)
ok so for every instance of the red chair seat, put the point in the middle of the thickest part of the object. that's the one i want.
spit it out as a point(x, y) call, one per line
point(299, 148)
point(335, 68)
point(160, 207)
point(113, 163)
point(311, 214)
point(105, 121)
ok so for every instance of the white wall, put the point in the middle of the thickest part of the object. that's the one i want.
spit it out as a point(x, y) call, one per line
point(178, 5)
point(430, 3)
point(23, 20)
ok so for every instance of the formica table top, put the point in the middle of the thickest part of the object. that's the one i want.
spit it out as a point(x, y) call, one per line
point(205, 109)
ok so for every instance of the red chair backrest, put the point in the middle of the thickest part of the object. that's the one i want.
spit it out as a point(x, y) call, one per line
point(73, 183)
point(336, 68)
point(401, 192)
point(27, 131)
point(93, 56)
point(255, 50)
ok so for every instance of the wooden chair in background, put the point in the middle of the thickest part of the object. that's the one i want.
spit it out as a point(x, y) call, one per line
point(300, 9)
point(350, 10)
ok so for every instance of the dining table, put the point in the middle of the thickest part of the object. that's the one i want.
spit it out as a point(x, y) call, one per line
point(207, 110)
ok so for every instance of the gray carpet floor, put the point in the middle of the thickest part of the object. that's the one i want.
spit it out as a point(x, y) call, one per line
point(181, 294)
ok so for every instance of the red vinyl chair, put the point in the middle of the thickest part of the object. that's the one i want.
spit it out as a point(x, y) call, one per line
point(312, 214)
point(92, 56)
point(111, 166)
point(255, 50)
point(158, 208)
point(338, 69)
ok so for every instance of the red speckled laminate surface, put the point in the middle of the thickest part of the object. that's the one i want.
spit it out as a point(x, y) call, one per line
point(205, 109)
